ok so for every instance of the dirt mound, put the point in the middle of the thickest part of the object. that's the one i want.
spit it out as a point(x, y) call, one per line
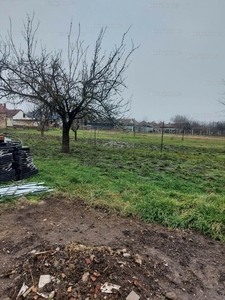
point(87, 253)
point(79, 272)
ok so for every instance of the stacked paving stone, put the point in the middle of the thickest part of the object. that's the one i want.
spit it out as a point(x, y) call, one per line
point(16, 161)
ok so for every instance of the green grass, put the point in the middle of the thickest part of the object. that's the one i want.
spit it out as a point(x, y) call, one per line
point(184, 186)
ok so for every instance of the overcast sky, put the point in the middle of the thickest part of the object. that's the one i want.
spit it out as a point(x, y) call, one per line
point(179, 65)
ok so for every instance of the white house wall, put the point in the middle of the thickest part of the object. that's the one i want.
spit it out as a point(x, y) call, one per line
point(25, 122)
point(10, 122)
point(19, 115)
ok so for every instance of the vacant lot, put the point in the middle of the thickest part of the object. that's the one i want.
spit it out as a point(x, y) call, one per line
point(181, 187)
point(105, 178)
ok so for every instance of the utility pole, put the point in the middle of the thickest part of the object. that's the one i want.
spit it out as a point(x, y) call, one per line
point(183, 134)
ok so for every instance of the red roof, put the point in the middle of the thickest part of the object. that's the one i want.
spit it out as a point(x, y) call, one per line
point(9, 112)
point(12, 112)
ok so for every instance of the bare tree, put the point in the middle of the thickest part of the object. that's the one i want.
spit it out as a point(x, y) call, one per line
point(71, 87)
point(75, 126)
point(43, 116)
point(182, 122)
point(220, 126)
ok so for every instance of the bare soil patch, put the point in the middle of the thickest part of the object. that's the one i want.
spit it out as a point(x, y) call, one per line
point(83, 248)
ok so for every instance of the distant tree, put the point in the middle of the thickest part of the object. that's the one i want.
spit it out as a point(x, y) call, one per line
point(71, 87)
point(181, 122)
point(222, 100)
point(43, 116)
point(75, 126)
point(220, 126)
point(195, 124)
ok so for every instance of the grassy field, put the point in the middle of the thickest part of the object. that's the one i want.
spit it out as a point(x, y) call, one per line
point(184, 186)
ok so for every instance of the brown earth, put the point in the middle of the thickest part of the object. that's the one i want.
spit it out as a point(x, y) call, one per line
point(83, 248)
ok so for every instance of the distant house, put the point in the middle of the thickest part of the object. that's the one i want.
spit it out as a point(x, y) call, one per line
point(170, 128)
point(128, 124)
point(167, 128)
point(144, 127)
point(14, 118)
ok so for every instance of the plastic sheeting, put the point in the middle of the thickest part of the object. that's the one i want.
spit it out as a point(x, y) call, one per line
point(23, 189)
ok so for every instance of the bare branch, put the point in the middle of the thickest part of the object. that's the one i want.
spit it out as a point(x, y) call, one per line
point(71, 88)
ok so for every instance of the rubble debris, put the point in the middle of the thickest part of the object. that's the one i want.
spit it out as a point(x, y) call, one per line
point(42, 295)
point(132, 296)
point(85, 276)
point(171, 296)
point(44, 279)
point(138, 259)
point(109, 287)
point(8, 274)
point(51, 295)
point(23, 289)
point(101, 279)
point(28, 291)
point(126, 254)
point(136, 283)
point(69, 290)
point(87, 260)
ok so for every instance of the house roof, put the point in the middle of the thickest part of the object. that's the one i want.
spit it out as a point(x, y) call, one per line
point(169, 125)
point(144, 123)
point(128, 121)
point(12, 112)
point(9, 112)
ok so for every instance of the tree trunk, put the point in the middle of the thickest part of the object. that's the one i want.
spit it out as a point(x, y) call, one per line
point(66, 137)
point(75, 135)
